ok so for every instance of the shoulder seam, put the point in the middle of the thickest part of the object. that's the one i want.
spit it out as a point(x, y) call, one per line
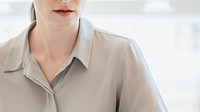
point(112, 34)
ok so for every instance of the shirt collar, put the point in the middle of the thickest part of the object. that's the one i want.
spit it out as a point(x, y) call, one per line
point(83, 47)
point(19, 52)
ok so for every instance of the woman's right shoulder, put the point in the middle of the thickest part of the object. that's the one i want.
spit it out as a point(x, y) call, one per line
point(5, 48)
point(6, 45)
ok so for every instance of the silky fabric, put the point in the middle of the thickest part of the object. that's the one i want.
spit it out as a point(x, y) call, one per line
point(107, 73)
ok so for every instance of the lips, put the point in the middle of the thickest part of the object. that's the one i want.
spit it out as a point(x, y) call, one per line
point(64, 11)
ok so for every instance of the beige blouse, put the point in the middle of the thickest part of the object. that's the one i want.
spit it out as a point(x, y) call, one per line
point(105, 73)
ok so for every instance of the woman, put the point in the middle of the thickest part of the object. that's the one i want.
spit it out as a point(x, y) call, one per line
point(61, 63)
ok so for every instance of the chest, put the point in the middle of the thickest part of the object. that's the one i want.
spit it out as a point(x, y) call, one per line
point(75, 93)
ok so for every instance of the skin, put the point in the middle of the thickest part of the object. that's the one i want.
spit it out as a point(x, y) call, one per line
point(53, 38)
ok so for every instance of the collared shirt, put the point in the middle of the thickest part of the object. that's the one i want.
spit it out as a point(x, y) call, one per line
point(104, 73)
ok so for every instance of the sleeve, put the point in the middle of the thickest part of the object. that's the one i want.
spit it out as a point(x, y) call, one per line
point(138, 92)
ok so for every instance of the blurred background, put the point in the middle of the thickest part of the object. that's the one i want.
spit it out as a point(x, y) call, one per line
point(167, 31)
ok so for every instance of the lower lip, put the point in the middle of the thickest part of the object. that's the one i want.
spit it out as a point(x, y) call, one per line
point(64, 13)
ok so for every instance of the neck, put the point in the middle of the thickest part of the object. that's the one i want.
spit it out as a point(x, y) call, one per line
point(53, 43)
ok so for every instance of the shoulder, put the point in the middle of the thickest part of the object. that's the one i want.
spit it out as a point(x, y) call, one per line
point(5, 47)
point(4, 50)
point(110, 39)
point(120, 47)
point(114, 47)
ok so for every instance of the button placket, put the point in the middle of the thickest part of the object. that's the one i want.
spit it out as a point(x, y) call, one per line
point(34, 73)
point(51, 105)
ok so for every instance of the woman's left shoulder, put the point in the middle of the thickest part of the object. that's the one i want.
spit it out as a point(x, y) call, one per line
point(111, 39)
